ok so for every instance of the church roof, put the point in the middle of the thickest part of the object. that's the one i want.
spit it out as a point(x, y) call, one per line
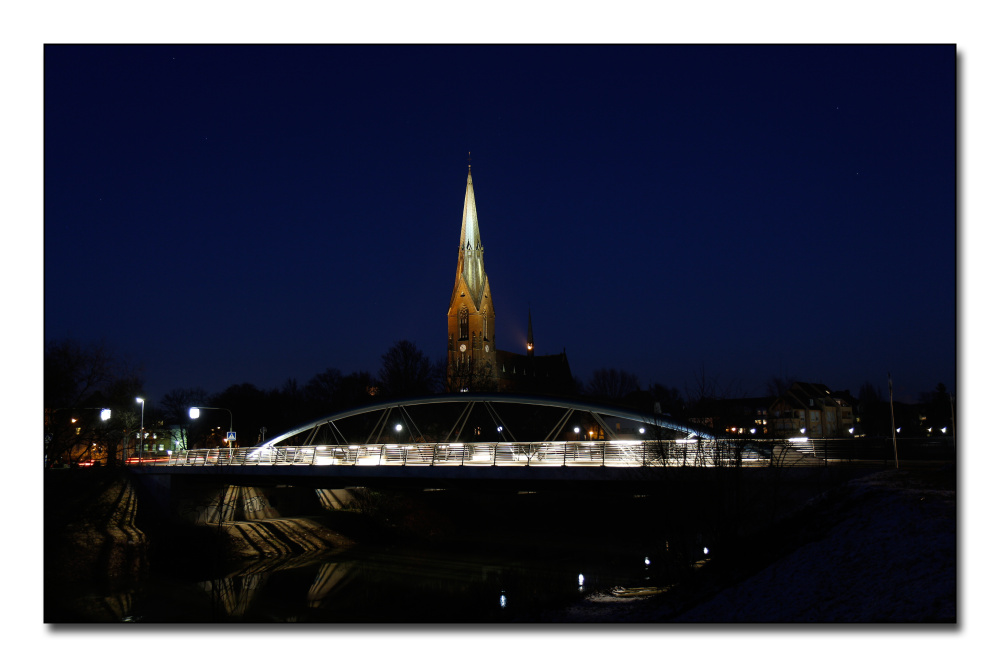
point(470, 247)
point(546, 373)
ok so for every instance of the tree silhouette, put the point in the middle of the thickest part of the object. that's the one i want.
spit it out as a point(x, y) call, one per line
point(80, 379)
point(612, 383)
point(406, 371)
point(175, 405)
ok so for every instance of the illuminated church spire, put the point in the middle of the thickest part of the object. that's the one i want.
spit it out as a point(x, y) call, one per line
point(472, 352)
point(470, 247)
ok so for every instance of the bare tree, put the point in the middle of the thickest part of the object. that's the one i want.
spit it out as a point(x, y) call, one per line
point(474, 376)
point(873, 411)
point(778, 385)
point(405, 371)
point(870, 394)
point(79, 380)
point(176, 403)
point(612, 383)
point(74, 372)
point(439, 375)
point(323, 390)
point(357, 388)
point(669, 400)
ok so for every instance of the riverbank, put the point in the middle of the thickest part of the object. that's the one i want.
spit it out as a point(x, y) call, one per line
point(879, 548)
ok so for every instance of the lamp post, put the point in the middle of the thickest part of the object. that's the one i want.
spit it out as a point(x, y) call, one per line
point(142, 421)
point(105, 416)
point(892, 422)
point(195, 412)
point(951, 404)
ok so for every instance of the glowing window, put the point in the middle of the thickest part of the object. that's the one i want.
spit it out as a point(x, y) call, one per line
point(463, 324)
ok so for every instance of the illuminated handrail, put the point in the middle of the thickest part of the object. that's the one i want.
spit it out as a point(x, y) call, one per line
point(591, 453)
point(692, 452)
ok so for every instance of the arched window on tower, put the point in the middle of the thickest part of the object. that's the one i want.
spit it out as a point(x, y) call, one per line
point(463, 324)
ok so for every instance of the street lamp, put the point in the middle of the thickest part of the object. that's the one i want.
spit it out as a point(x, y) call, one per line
point(105, 416)
point(194, 413)
point(142, 420)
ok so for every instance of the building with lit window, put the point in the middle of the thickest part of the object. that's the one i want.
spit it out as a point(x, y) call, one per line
point(812, 410)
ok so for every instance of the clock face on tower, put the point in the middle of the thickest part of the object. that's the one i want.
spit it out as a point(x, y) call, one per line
point(462, 347)
point(487, 347)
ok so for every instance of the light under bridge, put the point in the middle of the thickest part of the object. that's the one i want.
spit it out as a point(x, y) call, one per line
point(472, 437)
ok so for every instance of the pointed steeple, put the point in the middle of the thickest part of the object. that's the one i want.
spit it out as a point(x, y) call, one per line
point(470, 247)
point(472, 353)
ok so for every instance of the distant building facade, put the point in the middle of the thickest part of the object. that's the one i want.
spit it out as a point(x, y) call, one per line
point(735, 416)
point(810, 409)
point(474, 362)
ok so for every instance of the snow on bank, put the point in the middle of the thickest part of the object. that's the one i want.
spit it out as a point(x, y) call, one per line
point(887, 554)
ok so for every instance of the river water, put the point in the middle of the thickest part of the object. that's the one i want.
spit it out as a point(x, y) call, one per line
point(393, 584)
point(523, 562)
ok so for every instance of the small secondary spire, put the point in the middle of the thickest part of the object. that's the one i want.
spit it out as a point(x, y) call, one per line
point(531, 336)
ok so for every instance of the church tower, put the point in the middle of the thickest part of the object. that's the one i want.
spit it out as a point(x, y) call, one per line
point(472, 355)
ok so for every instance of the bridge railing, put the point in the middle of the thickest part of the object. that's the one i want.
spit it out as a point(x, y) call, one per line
point(624, 453)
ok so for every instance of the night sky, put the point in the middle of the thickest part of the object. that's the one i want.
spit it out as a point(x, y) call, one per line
point(230, 214)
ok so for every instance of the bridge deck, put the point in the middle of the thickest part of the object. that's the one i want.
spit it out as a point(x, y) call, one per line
point(618, 453)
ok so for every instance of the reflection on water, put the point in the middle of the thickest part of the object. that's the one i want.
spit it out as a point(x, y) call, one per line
point(88, 604)
point(508, 558)
point(395, 584)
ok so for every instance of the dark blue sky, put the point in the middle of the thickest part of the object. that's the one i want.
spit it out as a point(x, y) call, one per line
point(229, 214)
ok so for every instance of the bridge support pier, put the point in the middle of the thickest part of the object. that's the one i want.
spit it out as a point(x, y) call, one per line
point(335, 499)
point(201, 501)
